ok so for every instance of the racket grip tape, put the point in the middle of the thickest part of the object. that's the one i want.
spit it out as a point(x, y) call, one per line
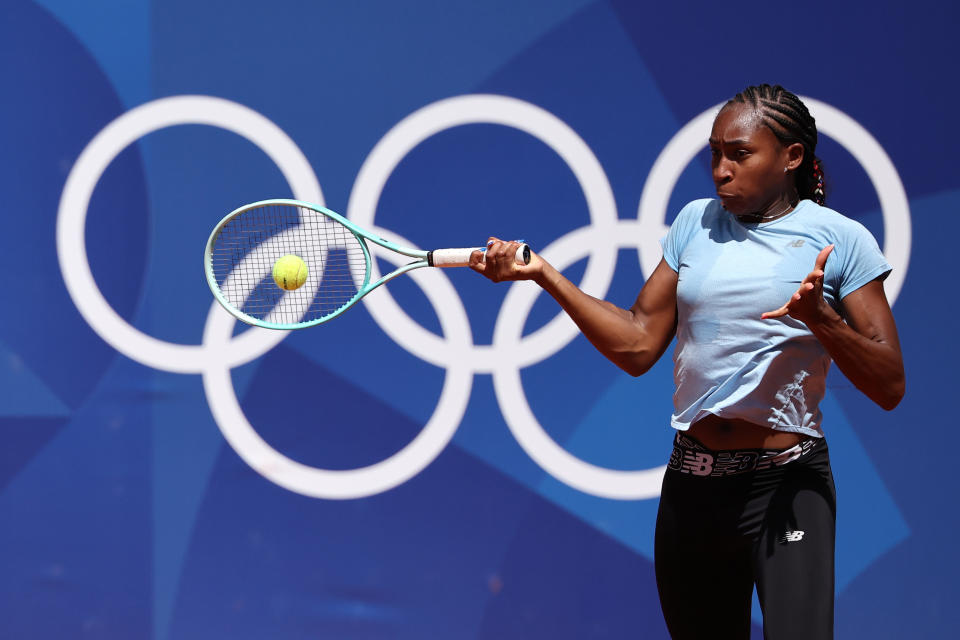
point(461, 257)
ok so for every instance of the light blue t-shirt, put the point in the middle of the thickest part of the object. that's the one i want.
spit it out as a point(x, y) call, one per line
point(728, 361)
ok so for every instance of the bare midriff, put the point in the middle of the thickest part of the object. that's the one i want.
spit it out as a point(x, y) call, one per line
point(723, 433)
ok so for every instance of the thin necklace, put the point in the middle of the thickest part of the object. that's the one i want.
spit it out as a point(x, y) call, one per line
point(757, 218)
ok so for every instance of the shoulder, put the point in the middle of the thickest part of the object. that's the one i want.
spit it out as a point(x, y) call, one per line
point(834, 221)
point(701, 207)
point(692, 220)
point(856, 259)
point(702, 210)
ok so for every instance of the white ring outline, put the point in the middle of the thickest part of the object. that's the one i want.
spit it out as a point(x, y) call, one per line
point(526, 429)
point(72, 213)
point(483, 109)
point(336, 484)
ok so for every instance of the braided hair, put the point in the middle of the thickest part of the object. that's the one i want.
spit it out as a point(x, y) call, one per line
point(788, 118)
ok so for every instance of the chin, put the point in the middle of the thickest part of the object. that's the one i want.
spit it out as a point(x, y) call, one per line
point(734, 206)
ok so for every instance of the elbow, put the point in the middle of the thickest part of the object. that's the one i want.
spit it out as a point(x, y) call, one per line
point(892, 395)
point(889, 403)
point(635, 372)
point(636, 364)
point(637, 356)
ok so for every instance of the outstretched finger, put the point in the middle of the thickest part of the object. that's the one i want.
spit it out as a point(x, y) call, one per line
point(821, 261)
point(785, 309)
point(779, 313)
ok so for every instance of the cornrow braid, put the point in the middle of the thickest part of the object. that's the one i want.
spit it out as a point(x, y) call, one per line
point(788, 118)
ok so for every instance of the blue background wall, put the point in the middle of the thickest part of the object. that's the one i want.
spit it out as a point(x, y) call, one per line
point(125, 513)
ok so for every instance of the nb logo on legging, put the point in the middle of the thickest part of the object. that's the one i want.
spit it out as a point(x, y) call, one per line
point(791, 536)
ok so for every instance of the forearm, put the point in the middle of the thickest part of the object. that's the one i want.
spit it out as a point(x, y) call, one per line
point(617, 333)
point(874, 366)
point(632, 339)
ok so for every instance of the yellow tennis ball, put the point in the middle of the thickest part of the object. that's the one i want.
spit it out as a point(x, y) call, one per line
point(290, 272)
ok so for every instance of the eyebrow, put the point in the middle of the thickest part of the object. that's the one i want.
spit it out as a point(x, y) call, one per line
point(738, 142)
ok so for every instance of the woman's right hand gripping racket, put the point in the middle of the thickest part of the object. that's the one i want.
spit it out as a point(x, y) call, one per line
point(286, 264)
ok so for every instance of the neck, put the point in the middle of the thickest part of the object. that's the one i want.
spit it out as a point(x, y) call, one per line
point(778, 208)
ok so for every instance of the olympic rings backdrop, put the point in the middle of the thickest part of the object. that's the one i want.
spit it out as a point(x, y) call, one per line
point(450, 459)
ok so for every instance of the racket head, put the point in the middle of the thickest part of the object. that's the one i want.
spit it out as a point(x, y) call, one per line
point(244, 246)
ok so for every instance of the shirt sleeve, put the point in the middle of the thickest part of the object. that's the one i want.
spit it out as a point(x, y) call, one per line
point(680, 231)
point(859, 259)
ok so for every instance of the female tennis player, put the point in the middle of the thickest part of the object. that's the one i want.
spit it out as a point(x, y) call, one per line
point(762, 287)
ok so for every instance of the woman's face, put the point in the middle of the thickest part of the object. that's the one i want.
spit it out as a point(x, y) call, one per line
point(748, 162)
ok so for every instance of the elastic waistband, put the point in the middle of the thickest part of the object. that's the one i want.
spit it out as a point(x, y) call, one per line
point(691, 457)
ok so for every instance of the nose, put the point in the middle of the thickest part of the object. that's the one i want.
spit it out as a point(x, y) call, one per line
point(722, 171)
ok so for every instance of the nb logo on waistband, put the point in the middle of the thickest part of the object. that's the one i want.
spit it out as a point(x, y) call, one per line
point(699, 464)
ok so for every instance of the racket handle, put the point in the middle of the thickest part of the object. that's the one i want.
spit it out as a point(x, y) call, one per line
point(461, 257)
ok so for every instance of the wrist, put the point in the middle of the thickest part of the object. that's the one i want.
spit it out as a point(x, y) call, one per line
point(546, 276)
point(825, 318)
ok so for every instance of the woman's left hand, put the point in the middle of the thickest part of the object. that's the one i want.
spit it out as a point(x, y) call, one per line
point(807, 304)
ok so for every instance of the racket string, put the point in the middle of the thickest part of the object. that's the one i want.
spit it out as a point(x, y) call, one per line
point(247, 247)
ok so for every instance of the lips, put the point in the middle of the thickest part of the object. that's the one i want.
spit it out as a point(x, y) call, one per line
point(730, 201)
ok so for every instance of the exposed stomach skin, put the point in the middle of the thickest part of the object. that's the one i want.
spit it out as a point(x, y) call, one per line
point(718, 433)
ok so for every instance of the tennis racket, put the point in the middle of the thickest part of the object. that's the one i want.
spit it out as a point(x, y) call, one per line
point(246, 244)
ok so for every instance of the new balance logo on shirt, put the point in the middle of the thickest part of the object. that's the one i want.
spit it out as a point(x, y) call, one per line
point(796, 243)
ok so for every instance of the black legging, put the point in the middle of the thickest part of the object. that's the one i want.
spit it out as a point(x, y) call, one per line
point(718, 536)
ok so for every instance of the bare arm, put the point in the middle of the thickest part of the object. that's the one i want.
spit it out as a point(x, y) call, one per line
point(866, 347)
point(633, 339)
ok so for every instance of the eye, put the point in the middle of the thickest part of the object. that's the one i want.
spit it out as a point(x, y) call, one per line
point(743, 153)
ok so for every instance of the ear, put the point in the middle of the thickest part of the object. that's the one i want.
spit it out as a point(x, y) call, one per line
point(794, 156)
